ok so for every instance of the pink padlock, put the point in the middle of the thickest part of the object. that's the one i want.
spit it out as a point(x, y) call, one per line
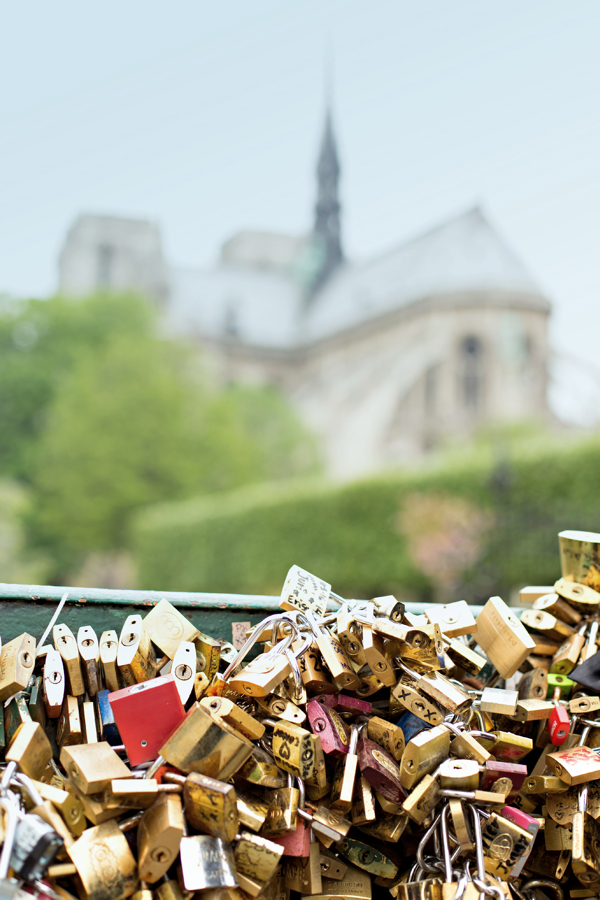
point(329, 726)
point(295, 843)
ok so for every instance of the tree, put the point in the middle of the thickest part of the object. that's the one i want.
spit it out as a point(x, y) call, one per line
point(130, 423)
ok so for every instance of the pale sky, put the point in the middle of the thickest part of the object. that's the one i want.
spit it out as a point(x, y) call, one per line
point(206, 117)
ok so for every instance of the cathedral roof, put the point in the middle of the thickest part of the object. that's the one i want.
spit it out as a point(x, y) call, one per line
point(268, 308)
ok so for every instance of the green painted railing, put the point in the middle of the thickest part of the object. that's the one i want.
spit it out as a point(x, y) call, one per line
point(29, 607)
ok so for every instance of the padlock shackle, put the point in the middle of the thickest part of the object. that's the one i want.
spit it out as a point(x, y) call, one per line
point(11, 819)
point(251, 641)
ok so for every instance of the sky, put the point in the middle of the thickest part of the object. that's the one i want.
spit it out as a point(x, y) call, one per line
point(206, 118)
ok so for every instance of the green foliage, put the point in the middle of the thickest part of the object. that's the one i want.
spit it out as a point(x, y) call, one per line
point(40, 341)
point(463, 531)
point(101, 417)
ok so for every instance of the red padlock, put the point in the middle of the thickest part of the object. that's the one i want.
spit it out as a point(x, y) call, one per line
point(559, 724)
point(329, 726)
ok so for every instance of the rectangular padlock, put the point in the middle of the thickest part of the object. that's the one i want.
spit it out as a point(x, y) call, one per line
point(17, 659)
point(167, 627)
point(206, 745)
point(206, 862)
point(502, 637)
point(146, 715)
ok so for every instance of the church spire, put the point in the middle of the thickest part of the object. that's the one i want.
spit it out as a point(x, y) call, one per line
point(326, 229)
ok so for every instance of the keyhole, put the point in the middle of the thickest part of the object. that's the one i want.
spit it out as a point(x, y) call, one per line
point(87, 642)
point(183, 672)
point(55, 677)
point(129, 639)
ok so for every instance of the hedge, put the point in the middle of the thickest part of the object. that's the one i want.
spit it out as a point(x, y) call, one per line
point(503, 520)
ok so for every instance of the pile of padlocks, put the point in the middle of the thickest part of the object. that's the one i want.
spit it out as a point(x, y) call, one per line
point(363, 752)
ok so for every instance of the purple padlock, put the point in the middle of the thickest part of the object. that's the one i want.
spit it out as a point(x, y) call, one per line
point(329, 726)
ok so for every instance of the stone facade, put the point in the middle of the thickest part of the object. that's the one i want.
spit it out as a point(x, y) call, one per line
point(384, 360)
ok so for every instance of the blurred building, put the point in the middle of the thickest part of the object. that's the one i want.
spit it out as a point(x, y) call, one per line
point(384, 359)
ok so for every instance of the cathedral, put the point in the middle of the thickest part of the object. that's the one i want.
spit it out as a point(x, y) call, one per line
point(384, 359)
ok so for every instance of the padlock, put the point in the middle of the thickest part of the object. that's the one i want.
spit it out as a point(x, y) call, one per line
point(333, 656)
point(494, 769)
point(585, 842)
point(260, 770)
point(91, 767)
point(579, 557)
point(330, 728)
point(527, 823)
point(256, 856)
point(53, 683)
point(67, 804)
point(296, 842)
point(502, 637)
point(89, 652)
point(407, 694)
point(304, 874)
point(575, 766)
point(388, 736)
point(533, 710)
point(533, 685)
point(36, 706)
point(17, 659)
point(459, 774)
point(355, 885)
point(363, 808)
point(380, 769)
point(465, 746)
point(342, 788)
point(423, 799)
point(332, 866)
point(65, 643)
point(423, 754)
point(328, 825)
point(464, 656)
point(208, 655)
point(252, 810)
point(206, 862)
point(349, 632)
point(104, 862)
point(159, 834)
point(206, 745)
point(167, 628)
point(305, 592)
point(90, 728)
point(498, 702)
point(281, 708)
point(547, 624)
point(69, 730)
point(297, 751)
point(454, 619)
point(373, 856)
point(378, 662)
point(183, 669)
point(146, 715)
point(559, 723)
point(16, 712)
point(558, 607)
point(388, 607)
point(282, 817)
point(30, 749)
point(314, 677)
point(225, 709)
point(348, 706)
point(583, 598)
point(444, 692)
point(504, 844)
point(136, 659)
point(108, 647)
point(106, 719)
point(506, 746)
point(130, 793)
point(34, 847)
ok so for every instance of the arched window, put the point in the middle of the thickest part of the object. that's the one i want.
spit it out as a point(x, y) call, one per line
point(472, 374)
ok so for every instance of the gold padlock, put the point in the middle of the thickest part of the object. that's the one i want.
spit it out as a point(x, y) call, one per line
point(502, 637)
point(136, 658)
point(104, 862)
point(159, 833)
point(107, 648)
point(65, 643)
point(16, 665)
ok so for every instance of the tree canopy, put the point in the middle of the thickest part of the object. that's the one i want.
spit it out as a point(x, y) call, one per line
point(102, 416)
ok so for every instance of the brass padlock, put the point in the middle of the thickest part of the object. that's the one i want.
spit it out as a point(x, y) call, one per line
point(30, 749)
point(104, 862)
point(159, 834)
point(256, 856)
point(17, 659)
point(136, 658)
point(65, 643)
point(53, 683)
point(206, 745)
point(108, 648)
point(282, 816)
point(502, 637)
point(89, 651)
point(91, 767)
point(342, 788)
point(423, 754)
point(69, 730)
point(225, 709)
point(167, 627)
